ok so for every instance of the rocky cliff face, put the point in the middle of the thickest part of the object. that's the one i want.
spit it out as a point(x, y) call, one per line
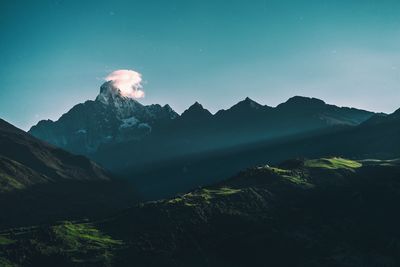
point(120, 133)
point(111, 118)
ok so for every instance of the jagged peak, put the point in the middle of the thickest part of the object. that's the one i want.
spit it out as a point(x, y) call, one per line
point(107, 90)
point(245, 105)
point(196, 108)
point(248, 102)
point(167, 107)
point(41, 123)
point(110, 94)
point(196, 104)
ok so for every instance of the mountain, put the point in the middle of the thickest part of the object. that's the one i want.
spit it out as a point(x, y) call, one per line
point(197, 130)
point(246, 108)
point(26, 161)
point(378, 137)
point(382, 119)
point(196, 113)
point(191, 149)
point(318, 212)
point(313, 108)
point(111, 118)
point(138, 141)
point(40, 182)
point(249, 121)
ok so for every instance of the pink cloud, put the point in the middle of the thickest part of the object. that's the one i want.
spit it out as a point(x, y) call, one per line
point(129, 82)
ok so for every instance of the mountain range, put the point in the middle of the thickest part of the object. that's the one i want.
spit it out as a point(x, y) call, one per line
point(113, 119)
point(180, 152)
point(377, 137)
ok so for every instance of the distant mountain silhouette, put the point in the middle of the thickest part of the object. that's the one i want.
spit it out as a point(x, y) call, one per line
point(113, 119)
point(196, 112)
point(42, 182)
point(244, 107)
point(198, 131)
point(131, 139)
point(378, 137)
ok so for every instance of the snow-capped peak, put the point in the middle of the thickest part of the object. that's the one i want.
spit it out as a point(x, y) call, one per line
point(109, 93)
point(124, 106)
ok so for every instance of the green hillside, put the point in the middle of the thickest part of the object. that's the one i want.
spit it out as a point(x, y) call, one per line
point(320, 212)
point(65, 244)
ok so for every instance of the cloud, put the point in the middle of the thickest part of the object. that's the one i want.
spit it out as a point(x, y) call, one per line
point(129, 82)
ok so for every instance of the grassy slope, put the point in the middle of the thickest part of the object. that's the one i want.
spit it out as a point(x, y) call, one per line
point(333, 163)
point(65, 244)
point(380, 140)
point(14, 176)
point(324, 212)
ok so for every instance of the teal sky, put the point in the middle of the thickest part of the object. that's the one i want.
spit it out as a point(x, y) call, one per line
point(55, 54)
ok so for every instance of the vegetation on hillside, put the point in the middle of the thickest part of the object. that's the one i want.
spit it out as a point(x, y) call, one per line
point(321, 212)
point(332, 163)
point(65, 244)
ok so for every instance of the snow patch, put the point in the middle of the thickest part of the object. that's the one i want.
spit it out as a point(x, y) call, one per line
point(144, 125)
point(81, 131)
point(129, 122)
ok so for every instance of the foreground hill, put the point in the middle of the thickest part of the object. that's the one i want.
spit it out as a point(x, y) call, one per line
point(39, 182)
point(322, 212)
point(26, 161)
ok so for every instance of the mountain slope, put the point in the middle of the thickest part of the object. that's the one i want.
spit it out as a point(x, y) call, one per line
point(26, 161)
point(321, 212)
point(197, 130)
point(136, 141)
point(111, 118)
point(378, 137)
point(39, 182)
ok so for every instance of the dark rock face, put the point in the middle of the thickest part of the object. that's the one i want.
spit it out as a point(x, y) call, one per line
point(197, 134)
point(114, 119)
point(111, 118)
